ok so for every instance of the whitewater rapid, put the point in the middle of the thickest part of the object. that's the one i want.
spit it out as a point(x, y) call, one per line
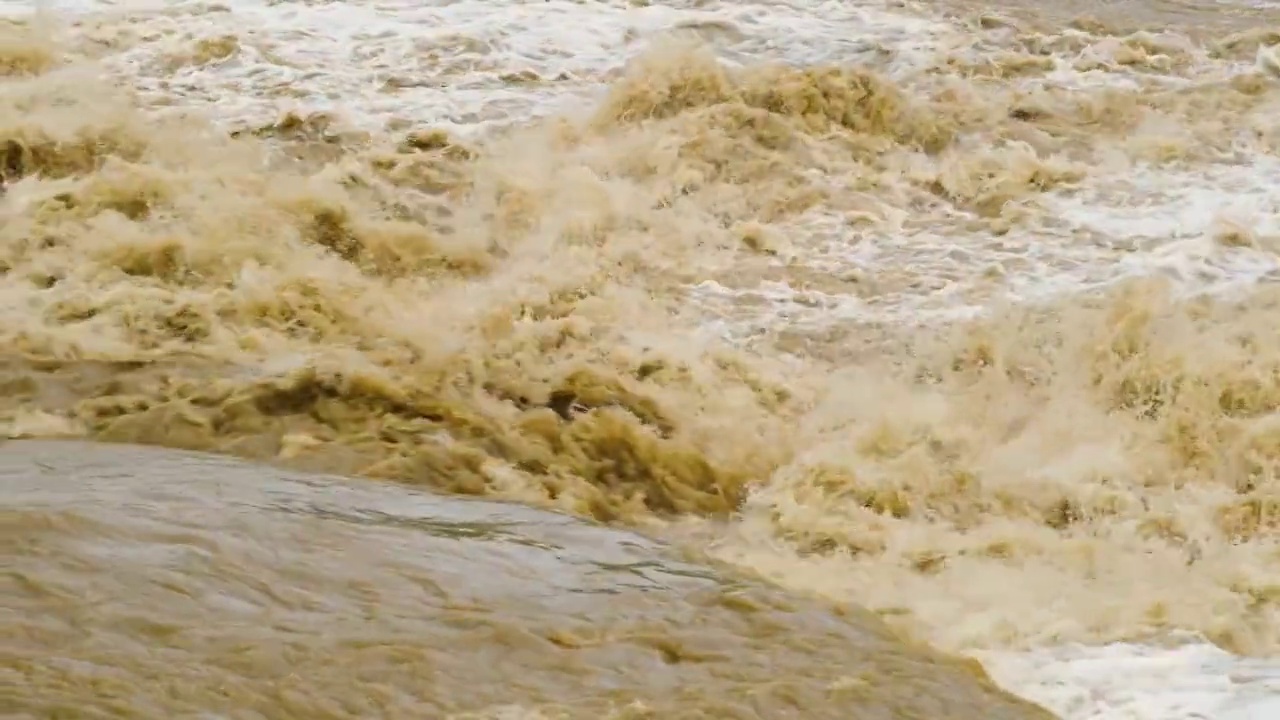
point(1207, 223)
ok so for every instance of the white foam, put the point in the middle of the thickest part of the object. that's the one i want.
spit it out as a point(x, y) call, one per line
point(1193, 681)
point(447, 59)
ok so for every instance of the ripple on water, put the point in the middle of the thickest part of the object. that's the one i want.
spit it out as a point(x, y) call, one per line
point(155, 582)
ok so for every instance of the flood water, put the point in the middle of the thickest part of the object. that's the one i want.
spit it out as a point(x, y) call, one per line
point(958, 312)
point(142, 583)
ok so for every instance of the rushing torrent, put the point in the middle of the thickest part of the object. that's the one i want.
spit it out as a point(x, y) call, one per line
point(890, 331)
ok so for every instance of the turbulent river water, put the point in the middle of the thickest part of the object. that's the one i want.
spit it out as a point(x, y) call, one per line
point(945, 324)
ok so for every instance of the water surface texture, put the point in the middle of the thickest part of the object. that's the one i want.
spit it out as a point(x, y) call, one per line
point(150, 584)
point(959, 312)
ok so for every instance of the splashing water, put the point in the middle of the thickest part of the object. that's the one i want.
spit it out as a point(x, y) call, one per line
point(963, 319)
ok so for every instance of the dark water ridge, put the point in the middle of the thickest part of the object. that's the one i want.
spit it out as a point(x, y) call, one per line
point(148, 583)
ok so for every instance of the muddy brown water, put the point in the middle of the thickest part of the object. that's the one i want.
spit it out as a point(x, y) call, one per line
point(146, 583)
point(527, 316)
